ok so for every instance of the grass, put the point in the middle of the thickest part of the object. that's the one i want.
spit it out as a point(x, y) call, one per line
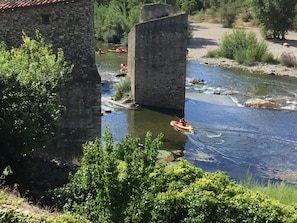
point(16, 209)
point(244, 48)
point(122, 89)
point(283, 192)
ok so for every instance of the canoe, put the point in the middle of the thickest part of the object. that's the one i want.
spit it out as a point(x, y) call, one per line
point(180, 126)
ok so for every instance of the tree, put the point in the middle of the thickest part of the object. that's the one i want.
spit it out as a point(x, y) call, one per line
point(189, 6)
point(276, 16)
point(112, 178)
point(228, 14)
point(30, 78)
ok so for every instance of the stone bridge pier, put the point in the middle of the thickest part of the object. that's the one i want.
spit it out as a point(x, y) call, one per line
point(157, 49)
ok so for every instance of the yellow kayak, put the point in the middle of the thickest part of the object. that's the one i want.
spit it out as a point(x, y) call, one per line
point(180, 126)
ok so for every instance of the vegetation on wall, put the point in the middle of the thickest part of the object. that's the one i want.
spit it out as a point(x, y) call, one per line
point(30, 78)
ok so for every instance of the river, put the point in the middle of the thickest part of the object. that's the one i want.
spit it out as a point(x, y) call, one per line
point(227, 135)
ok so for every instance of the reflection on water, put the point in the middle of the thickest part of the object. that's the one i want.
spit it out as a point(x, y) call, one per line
point(137, 122)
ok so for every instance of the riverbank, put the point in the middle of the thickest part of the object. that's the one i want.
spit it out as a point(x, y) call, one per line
point(207, 36)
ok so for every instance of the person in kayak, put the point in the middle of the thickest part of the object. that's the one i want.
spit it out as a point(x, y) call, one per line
point(183, 122)
point(123, 67)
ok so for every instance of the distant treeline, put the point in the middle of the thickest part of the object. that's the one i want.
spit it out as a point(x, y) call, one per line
point(115, 18)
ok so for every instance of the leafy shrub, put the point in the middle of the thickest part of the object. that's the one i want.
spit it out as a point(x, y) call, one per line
point(112, 178)
point(114, 19)
point(189, 6)
point(247, 17)
point(228, 14)
point(30, 79)
point(288, 59)
point(212, 54)
point(122, 89)
point(242, 47)
point(121, 182)
point(269, 58)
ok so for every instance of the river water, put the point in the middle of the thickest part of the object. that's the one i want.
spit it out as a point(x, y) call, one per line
point(227, 136)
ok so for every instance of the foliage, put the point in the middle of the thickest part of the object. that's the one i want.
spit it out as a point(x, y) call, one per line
point(211, 54)
point(190, 6)
point(115, 22)
point(112, 178)
point(242, 47)
point(190, 195)
point(228, 14)
point(17, 210)
point(269, 58)
point(30, 78)
point(276, 16)
point(122, 89)
point(114, 19)
point(285, 193)
point(121, 182)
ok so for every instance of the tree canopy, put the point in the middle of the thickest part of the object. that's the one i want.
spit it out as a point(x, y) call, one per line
point(114, 19)
point(30, 78)
point(276, 16)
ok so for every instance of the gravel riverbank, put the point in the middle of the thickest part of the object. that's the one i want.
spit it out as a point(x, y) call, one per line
point(207, 36)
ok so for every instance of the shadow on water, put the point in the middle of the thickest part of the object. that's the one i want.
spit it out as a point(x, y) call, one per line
point(137, 122)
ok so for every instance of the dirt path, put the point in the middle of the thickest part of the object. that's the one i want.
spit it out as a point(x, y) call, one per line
point(207, 37)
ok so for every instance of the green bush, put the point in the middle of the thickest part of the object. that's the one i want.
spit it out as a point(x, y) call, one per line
point(122, 182)
point(211, 54)
point(243, 47)
point(112, 178)
point(30, 79)
point(122, 89)
point(269, 58)
point(114, 19)
point(247, 17)
point(228, 13)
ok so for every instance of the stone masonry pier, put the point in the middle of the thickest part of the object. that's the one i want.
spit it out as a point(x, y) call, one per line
point(157, 60)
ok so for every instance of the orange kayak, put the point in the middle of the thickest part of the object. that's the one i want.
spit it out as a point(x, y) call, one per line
point(180, 126)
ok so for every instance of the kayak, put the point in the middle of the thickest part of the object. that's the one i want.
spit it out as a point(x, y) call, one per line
point(118, 51)
point(180, 126)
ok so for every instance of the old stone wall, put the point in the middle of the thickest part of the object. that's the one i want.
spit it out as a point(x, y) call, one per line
point(157, 62)
point(70, 26)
